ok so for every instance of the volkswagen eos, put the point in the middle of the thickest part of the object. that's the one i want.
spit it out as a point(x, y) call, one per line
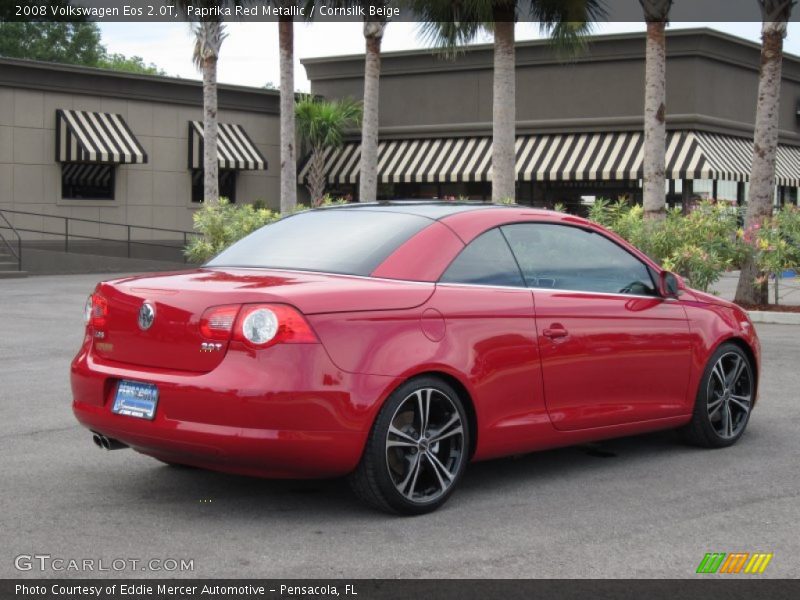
point(395, 342)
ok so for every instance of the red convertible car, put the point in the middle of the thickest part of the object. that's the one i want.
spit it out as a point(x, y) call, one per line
point(395, 342)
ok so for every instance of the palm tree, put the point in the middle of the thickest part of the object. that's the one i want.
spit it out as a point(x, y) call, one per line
point(656, 14)
point(450, 24)
point(321, 125)
point(368, 181)
point(775, 16)
point(288, 155)
point(374, 26)
point(209, 36)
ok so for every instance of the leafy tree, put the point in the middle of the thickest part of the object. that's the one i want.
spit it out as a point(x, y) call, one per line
point(129, 64)
point(67, 43)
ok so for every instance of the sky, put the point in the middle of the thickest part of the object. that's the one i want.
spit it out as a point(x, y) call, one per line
point(250, 53)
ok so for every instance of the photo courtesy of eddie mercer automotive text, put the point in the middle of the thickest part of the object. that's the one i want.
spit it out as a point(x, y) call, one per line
point(395, 342)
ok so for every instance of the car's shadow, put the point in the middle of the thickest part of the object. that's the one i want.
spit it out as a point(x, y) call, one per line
point(164, 486)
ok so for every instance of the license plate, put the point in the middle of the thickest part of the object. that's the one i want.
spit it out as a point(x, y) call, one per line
point(136, 399)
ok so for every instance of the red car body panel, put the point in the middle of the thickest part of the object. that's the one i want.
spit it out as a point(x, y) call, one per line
point(628, 365)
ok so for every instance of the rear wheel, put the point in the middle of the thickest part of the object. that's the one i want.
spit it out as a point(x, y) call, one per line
point(417, 450)
point(724, 400)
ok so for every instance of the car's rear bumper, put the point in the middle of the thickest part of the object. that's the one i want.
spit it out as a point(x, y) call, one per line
point(282, 412)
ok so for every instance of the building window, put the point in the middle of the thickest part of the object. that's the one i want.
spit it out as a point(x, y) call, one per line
point(227, 185)
point(81, 181)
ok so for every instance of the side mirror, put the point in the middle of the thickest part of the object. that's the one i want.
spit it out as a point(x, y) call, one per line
point(669, 284)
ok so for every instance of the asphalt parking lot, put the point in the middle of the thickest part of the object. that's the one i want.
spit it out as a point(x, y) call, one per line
point(638, 507)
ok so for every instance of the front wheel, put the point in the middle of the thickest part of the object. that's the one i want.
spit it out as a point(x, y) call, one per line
point(724, 400)
point(417, 449)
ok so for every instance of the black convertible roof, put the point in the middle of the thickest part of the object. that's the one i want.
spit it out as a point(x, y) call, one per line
point(432, 209)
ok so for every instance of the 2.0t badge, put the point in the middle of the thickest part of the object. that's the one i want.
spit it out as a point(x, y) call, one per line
point(147, 314)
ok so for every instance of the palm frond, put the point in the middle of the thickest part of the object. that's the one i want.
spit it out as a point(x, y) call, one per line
point(321, 123)
point(209, 36)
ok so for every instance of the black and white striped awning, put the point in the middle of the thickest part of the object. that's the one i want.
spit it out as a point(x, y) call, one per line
point(235, 149)
point(558, 157)
point(91, 174)
point(93, 137)
point(730, 158)
point(603, 157)
point(413, 161)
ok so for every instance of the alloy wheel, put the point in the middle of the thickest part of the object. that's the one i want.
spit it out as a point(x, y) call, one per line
point(730, 395)
point(425, 445)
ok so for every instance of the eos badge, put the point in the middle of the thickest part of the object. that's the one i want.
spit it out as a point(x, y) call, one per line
point(210, 347)
point(147, 314)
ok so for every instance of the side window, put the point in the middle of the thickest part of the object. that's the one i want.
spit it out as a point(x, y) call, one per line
point(487, 260)
point(571, 258)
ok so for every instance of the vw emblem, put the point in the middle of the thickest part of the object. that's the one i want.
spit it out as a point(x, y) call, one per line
point(147, 315)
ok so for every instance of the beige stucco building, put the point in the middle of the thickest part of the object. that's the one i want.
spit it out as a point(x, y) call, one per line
point(133, 148)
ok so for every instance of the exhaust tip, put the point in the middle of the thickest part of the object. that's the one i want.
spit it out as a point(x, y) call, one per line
point(107, 443)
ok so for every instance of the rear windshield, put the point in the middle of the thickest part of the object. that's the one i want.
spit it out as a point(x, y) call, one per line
point(348, 241)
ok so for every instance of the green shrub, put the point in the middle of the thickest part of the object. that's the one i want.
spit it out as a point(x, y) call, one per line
point(775, 245)
point(222, 224)
point(700, 246)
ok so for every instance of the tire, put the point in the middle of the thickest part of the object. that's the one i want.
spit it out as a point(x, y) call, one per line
point(411, 464)
point(724, 399)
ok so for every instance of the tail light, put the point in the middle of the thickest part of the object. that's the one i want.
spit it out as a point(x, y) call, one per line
point(263, 325)
point(95, 311)
point(217, 322)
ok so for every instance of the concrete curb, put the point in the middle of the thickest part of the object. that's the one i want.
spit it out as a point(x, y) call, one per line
point(777, 318)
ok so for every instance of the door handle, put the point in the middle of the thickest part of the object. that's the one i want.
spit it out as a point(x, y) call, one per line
point(556, 330)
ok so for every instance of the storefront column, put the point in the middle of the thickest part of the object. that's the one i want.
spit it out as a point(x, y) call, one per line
point(686, 195)
point(670, 191)
point(538, 199)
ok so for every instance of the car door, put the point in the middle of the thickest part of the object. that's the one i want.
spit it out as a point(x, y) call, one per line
point(612, 350)
point(491, 339)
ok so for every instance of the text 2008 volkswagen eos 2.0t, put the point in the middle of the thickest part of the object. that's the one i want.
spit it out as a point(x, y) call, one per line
point(396, 342)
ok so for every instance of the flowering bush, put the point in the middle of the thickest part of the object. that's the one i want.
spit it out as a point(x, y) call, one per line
point(223, 224)
point(700, 246)
point(775, 245)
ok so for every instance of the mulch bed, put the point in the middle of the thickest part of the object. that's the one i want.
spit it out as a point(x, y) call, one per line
point(771, 308)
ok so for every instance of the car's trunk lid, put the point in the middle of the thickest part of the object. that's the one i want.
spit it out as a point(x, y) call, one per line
point(174, 340)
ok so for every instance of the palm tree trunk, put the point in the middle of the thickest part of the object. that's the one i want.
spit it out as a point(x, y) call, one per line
point(210, 160)
point(316, 176)
point(765, 147)
point(655, 131)
point(368, 184)
point(288, 156)
point(503, 107)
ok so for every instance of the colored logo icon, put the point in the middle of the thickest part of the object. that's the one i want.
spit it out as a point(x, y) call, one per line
point(734, 562)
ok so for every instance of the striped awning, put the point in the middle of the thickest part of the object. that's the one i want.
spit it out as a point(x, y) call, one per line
point(94, 137)
point(731, 157)
point(413, 161)
point(235, 149)
point(558, 157)
point(98, 175)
